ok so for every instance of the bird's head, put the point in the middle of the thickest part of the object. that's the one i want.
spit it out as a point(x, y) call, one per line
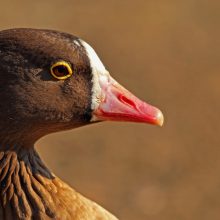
point(52, 81)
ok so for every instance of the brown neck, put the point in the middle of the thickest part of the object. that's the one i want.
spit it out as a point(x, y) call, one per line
point(26, 185)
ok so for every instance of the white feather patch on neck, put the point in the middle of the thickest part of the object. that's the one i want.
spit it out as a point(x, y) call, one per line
point(99, 73)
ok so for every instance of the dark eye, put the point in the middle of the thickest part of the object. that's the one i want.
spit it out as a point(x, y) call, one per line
point(61, 70)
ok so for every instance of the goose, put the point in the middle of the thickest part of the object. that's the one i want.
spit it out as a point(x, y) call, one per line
point(52, 81)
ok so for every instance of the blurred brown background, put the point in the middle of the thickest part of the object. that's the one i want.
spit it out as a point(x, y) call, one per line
point(168, 53)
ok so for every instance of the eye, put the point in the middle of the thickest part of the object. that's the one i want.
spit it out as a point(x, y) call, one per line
point(61, 70)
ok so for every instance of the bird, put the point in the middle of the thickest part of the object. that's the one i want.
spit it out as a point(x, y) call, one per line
point(53, 81)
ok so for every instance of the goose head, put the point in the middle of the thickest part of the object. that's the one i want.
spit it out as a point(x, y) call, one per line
point(52, 81)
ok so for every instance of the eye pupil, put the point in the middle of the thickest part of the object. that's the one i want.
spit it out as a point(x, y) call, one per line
point(60, 71)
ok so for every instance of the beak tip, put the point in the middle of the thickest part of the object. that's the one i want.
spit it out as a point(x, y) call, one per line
point(160, 119)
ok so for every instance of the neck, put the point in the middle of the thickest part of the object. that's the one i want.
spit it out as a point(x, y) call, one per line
point(28, 190)
point(26, 185)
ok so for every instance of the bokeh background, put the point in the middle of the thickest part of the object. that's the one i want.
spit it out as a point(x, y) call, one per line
point(168, 53)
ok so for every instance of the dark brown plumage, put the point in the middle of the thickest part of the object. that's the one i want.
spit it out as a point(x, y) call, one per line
point(26, 85)
point(33, 103)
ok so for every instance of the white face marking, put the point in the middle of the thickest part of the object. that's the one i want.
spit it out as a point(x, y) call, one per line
point(100, 74)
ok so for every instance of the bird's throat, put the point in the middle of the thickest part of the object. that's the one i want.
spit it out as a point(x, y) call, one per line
point(27, 187)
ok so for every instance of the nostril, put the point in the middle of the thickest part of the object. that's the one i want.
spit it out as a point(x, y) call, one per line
point(127, 101)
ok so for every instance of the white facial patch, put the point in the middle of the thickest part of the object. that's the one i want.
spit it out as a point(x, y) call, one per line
point(99, 73)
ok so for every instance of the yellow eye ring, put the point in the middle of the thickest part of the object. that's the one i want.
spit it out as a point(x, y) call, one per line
point(61, 70)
